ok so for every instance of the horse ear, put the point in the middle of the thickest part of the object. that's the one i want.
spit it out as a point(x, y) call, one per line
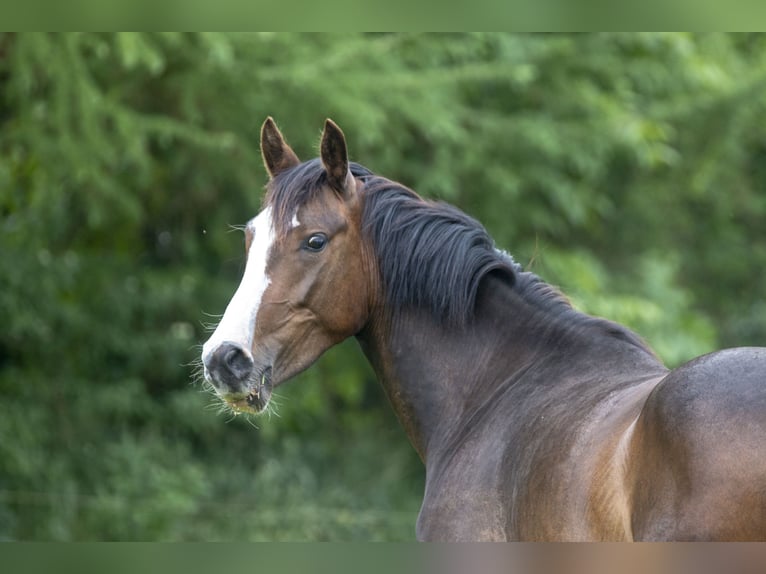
point(277, 155)
point(334, 156)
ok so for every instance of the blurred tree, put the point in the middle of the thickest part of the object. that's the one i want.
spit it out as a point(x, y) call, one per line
point(626, 168)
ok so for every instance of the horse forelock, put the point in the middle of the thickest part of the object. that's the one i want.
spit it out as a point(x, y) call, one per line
point(295, 187)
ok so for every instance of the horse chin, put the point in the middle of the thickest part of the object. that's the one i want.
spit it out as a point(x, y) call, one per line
point(256, 399)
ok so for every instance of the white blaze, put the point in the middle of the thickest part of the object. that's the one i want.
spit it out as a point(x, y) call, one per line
point(238, 321)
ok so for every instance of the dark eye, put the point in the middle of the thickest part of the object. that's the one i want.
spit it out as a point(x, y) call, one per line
point(316, 242)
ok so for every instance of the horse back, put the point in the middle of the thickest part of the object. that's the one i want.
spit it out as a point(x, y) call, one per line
point(696, 465)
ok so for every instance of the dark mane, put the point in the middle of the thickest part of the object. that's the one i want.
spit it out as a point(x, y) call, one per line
point(430, 254)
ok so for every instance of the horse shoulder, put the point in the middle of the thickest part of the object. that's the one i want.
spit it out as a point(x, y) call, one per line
point(697, 462)
point(532, 482)
point(599, 462)
point(591, 500)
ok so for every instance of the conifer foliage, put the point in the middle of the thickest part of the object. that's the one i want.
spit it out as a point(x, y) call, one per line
point(627, 169)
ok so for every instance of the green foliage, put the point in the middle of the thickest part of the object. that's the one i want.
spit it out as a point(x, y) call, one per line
point(628, 169)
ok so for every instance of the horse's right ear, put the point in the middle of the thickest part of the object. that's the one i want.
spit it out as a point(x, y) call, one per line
point(277, 155)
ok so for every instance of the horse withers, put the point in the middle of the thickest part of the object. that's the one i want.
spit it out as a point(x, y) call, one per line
point(534, 421)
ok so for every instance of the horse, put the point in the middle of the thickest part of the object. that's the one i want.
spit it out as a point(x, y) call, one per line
point(535, 422)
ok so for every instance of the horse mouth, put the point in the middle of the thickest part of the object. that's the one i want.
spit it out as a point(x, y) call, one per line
point(256, 398)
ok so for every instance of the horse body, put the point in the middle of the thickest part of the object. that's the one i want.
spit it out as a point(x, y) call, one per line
point(528, 444)
point(534, 421)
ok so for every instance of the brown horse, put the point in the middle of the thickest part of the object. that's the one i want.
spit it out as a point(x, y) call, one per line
point(534, 421)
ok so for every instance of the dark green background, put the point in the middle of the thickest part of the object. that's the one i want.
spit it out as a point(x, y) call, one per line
point(628, 169)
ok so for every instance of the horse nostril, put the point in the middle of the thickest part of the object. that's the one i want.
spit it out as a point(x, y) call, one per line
point(237, 362)
point(230, 366)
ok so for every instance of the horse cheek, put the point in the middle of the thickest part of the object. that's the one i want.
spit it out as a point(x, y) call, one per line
point(348, 312)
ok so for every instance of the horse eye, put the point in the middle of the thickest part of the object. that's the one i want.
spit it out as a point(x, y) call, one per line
point(316, 242)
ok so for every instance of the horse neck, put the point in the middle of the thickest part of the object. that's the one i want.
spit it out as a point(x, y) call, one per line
point(439, 378)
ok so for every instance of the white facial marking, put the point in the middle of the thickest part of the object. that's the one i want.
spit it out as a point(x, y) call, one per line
point(295, 223)
point(238, 321)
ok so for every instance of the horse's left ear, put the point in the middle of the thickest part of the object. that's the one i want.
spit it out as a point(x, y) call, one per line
point(335, 157)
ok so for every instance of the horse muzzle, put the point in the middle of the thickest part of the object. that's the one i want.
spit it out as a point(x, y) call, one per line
point(233, 373)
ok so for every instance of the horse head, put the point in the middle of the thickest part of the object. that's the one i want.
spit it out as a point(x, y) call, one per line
point(306, 284)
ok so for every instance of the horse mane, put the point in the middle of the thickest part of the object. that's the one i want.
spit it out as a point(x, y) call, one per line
point(430, 254)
